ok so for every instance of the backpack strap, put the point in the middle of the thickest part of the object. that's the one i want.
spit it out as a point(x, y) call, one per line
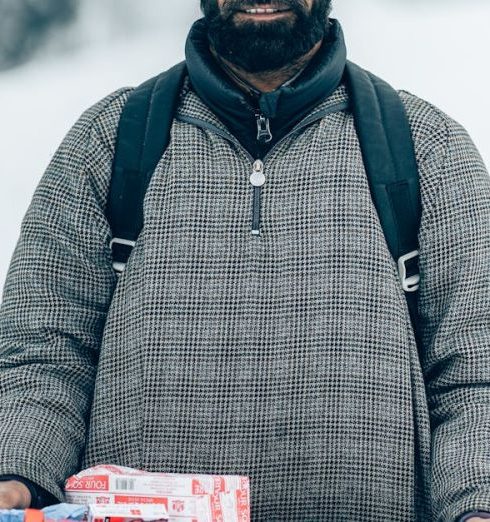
point(389, 159)
point(386, 144)
point(142, 137)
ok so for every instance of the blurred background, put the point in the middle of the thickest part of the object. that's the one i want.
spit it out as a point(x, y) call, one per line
point(58, 57)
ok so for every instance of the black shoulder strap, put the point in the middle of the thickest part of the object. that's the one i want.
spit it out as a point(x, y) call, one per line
point(389, 158)
point(385, 140)
point(143, 135)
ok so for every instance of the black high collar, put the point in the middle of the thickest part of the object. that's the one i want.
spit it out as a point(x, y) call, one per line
point(284, 107)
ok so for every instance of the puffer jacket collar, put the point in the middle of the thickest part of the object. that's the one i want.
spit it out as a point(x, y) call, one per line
point(283, 107)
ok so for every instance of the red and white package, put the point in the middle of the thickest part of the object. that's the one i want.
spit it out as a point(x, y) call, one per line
point(127, 513)
point(188, 498)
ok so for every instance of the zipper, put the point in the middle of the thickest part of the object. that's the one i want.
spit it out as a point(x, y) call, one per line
point(257, 179)
point(264, 135)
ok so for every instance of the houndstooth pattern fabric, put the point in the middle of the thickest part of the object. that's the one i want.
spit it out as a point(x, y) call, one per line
point(287, 357)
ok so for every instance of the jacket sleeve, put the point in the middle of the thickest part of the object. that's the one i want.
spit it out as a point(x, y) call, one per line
point(56, 296)
point(455, 319)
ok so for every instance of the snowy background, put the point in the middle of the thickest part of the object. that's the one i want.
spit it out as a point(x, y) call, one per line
point(433, 48)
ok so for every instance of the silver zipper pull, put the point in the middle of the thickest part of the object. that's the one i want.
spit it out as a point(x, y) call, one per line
point(264, 134)
point(258, 177)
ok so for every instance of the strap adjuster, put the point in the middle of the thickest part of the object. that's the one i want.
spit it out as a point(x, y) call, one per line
point(121, 250)
point(409, 274)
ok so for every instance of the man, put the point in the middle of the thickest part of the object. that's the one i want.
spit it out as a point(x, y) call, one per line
point(257, 332)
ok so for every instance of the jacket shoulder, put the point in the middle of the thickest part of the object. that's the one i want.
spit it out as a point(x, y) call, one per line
point(430, 126)
point(446, 155)
point(102, 118)
point(88, 147)
point(436, 135)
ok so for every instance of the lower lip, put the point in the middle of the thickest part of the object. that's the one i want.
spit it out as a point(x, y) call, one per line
point(264, 16)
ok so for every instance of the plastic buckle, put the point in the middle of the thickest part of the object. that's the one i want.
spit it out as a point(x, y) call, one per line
point(118, 265)
point(409, 283)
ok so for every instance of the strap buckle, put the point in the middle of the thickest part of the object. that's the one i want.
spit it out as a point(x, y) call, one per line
point(121, 250)
point(408, 269)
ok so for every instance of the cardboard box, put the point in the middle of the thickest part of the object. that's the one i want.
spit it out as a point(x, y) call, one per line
point(127, 513)
point(187, 498)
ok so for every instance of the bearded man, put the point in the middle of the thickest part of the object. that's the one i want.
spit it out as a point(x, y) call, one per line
point(258, 329)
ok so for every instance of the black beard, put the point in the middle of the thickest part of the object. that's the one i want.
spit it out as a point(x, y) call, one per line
point(268, 46)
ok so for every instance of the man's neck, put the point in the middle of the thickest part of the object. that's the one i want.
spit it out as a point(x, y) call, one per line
point(268, 81)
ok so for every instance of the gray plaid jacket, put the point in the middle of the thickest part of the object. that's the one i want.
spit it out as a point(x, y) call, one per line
point(288, 357)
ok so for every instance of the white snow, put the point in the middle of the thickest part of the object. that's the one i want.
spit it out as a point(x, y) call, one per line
point(436, 50)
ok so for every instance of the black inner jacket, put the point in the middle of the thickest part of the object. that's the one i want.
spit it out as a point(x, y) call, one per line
point(283, 107)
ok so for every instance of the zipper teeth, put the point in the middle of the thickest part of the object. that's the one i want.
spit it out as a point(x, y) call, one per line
point(256, 194)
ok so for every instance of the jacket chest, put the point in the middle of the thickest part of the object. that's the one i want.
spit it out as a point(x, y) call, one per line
point(310, 191)
point(320, 234)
